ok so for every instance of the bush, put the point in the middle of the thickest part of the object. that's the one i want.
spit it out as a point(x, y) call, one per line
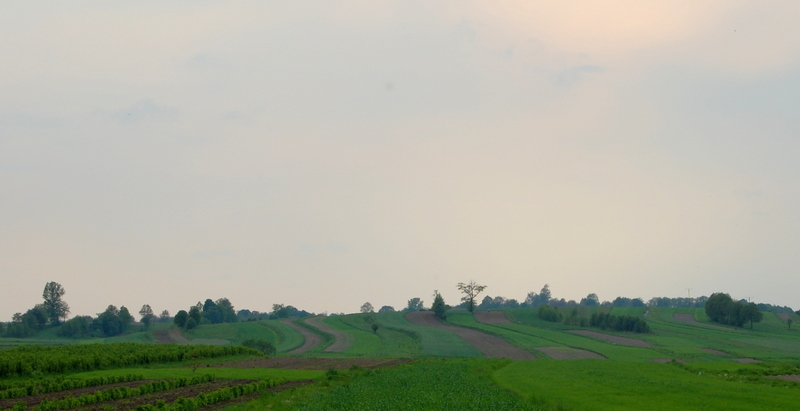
point(549, 313)
point(619, 323)
point(265, 347)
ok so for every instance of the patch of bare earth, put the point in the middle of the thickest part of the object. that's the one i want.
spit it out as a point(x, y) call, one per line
point(341, 342)
point(667, 360)
point(310, 341)
point(568, 353)
point(713, 351)
point(170, 336)
point(489, 345)
point(792, 377)
point(492, 317)
point(633, 342)
point(303, 363)
point(746, 360)
point(783, 316)
point(689, 319)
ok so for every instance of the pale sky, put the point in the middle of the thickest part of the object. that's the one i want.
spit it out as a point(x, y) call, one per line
point(325, 154)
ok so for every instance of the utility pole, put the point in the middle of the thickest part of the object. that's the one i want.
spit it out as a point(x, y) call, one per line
point(689, 290)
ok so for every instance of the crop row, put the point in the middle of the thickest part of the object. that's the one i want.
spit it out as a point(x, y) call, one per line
point(115, 393)
point(71, 358)
point(43, 386)
point(211, 398)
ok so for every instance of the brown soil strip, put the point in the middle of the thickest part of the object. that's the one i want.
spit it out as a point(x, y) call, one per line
point(492, 317)
point(170, 336)
point(689, 319)
point(667, 360)
point(303, 363)
point(613, 338)
point(311, 340)
point(57, 395)
point(746, 360)
point(783, 316)
point(489, 345)
point(713, 351)
point(793, 377)
point(342, 341)
point(569, 353)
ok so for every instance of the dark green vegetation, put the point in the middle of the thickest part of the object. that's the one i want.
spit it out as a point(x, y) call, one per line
point(721, 308)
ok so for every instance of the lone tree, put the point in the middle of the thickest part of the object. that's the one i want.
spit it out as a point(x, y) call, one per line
point(147, 315)
point(53, 305)
point(438, 307)
point(414, 304)
point(471, 291)
point(367, 308)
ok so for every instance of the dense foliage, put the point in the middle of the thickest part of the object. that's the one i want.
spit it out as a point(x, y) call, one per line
point(70, 358)
point(721, 308)
point(264, 346)
point(619, 323)
point(549, 313)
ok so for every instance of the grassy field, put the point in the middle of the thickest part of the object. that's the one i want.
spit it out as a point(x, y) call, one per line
point(434, 342)
point(621, 385)
point(384, 342)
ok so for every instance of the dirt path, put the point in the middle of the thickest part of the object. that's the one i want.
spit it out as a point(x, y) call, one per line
point(632, 342)
point(492, 317)
point(569, 353)
point(311, 340)
point(689, 319)
point(170, 336)
point(342, 340)
point(713, 351)
point(489, 345)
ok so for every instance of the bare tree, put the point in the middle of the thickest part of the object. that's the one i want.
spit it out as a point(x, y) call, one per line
point(471, 291)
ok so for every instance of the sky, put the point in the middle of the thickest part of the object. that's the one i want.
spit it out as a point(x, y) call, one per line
point(326, 154)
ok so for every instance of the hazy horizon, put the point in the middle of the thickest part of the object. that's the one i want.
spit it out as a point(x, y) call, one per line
point(331, 153)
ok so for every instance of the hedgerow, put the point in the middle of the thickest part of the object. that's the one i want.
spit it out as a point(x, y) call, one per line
point(26, 360)
point(42, 386)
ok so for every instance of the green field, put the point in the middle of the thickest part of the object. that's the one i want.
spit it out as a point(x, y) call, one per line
point(708, 375)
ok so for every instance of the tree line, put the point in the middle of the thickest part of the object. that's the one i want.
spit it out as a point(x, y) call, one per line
point(721, 308)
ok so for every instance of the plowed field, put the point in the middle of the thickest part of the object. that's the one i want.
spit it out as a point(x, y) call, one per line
point(568, 353)
point(311, 340)
point(302, 363)
point(341, 340)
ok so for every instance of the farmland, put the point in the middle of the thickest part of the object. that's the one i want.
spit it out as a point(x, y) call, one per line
point(398, 361)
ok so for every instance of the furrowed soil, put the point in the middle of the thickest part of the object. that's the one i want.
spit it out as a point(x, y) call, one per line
point(713, 351)
point(492, 317)
point(310, 340)
point(689, 319)
point(303, 363)
point(57, 395)
point(793, 377)
point(489, 345)
point(170, 336)
point(568, 353)
point(341, 341)
point(613, 338)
